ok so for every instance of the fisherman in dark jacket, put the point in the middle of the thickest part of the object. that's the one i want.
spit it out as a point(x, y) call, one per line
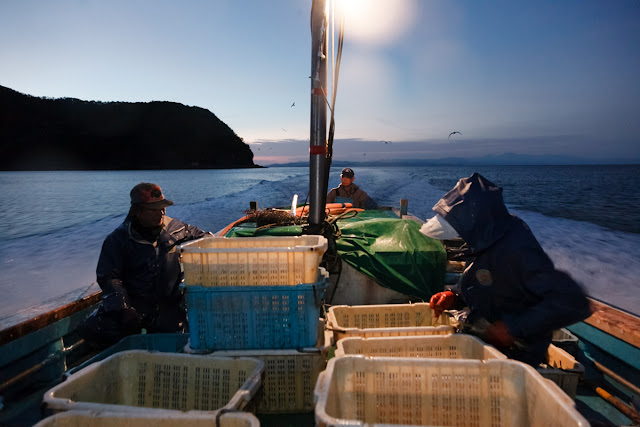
point(139, 272)
point(515, 295)
point(348, 192)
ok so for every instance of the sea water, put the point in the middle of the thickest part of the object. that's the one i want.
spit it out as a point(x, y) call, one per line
point(587, 218)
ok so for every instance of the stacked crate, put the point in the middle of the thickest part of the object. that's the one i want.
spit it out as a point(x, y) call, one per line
point(397, 364)
point(402, 391)
point(384, 320)
point(456, 346)
point(159, 384)
point(114, 419)
point(260, 297)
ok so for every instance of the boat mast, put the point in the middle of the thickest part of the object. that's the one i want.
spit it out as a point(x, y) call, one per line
point(318, 171)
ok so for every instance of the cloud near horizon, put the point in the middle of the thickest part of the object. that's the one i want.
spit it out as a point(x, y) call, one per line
point(355, 149)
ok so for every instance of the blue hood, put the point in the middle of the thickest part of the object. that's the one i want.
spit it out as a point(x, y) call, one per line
point(475, 209)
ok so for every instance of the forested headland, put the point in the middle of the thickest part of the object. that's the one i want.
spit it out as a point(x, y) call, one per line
point(71, 134)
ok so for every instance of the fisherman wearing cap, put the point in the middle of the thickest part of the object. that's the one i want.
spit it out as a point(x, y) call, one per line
point(348, 192)
point(139, 272)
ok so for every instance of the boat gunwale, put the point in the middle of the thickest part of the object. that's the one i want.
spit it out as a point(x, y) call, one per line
point(26, 327)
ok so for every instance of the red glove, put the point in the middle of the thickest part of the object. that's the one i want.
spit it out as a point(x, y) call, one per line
point(441, 301)
point(497, 334)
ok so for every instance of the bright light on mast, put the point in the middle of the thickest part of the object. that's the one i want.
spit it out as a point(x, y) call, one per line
point(376, 21)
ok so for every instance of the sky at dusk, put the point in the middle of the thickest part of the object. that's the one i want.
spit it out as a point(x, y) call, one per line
point(542, 77)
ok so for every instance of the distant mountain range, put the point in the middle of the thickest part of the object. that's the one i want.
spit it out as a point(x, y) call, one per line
point(70, 134)
point(489, 160)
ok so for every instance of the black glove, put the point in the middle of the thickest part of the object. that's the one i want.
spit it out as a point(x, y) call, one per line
point(130, 321)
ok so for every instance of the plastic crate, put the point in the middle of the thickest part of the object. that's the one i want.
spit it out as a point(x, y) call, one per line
point(564, 339)
point(386, 320)
point(394, 391)
point(165, 343)
point(563, 369)
point(254, 317)
point(252, 261)
point(111, 419)
point(140, 381)
point(457, 346)
point(289, 378)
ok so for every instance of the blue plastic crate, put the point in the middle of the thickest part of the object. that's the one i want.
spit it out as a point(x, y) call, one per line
point(254, 317)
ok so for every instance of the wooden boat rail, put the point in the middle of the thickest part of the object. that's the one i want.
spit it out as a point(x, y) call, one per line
point(39, 321)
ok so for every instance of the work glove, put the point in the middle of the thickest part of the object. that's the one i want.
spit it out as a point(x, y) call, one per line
point(130, 321)
point(498, 335)
point(441, 301)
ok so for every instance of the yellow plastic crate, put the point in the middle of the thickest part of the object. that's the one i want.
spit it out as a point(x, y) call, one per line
point(456, 346)
point(139, 381)
point(563, 369)
point(252, 261)
point(111, 419)
point(289, 378)
point(394, 391)
point(386, 320)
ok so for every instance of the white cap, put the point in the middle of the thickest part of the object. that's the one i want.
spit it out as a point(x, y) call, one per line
point(438, 228)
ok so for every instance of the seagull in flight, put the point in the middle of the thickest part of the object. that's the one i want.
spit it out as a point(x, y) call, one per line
point(294, 104)
point(455, 131)
point(386, 142)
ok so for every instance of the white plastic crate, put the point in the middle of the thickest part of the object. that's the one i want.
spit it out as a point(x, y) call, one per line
point(563, 369)
point(395, 391)
point(112, 419)
point(289, 378)
point(252, 261)
point(456, 346)
point(139, 381)
point(386, 320)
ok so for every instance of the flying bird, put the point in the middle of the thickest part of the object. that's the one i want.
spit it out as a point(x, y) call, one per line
point(455, 131)
point(386, 142)
point(294, 104)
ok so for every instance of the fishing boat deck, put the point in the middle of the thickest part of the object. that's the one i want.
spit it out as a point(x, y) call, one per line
point(27, 410)
point(59, 351)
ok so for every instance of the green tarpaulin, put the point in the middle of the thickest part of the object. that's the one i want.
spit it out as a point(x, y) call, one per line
point(389, 250)
point(395, 254)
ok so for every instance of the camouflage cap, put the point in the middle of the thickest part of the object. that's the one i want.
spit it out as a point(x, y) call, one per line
point(149, 195)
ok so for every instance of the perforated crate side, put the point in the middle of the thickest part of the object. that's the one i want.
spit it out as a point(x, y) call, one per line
point(257, 317)
point(289, 377)
point(394, 391)
point(141, 381)
point(112, 419)
point(386, 320)
point(252, 261)
point(456, 346)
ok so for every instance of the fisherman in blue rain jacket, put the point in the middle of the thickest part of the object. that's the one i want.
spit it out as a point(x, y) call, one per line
point(515, 295)
point(139, 272)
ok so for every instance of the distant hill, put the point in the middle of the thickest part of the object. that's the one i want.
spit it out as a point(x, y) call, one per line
point(70, 134)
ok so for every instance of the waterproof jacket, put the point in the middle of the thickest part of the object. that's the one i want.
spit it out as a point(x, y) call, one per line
point(134, 272)
point(509, 277)
point(358, 197)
